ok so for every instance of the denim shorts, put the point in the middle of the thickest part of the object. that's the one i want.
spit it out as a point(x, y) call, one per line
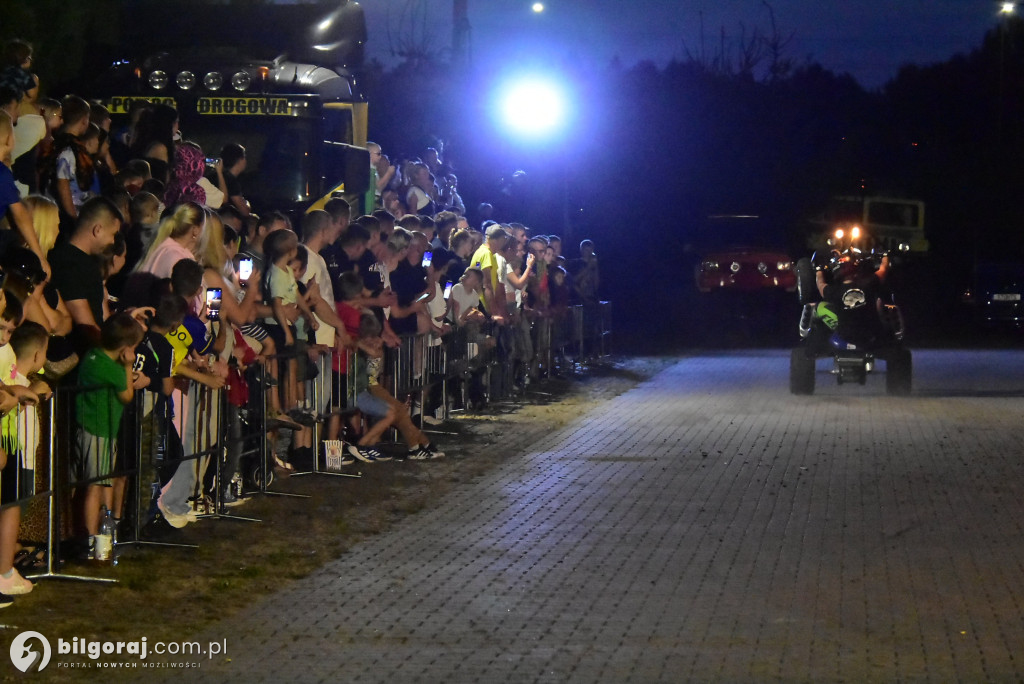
point(371, 405)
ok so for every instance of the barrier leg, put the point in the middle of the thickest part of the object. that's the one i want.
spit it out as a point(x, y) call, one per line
point(53, 517)
point(264, 457)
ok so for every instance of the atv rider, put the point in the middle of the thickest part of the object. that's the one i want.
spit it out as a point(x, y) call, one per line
point(852, 301)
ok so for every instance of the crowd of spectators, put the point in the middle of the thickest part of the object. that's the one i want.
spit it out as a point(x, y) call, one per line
point(132, 266)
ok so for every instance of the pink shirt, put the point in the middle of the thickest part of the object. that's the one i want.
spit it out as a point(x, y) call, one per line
point(162, 259)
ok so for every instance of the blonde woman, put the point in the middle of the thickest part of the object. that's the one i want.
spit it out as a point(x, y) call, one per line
point(219, 272)
point(46, 306)
point(177, 238)
point(45, 220)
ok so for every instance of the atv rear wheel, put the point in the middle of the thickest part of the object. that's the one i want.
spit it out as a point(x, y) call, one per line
point(801, 372)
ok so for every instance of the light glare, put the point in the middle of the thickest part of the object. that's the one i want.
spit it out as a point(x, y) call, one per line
point(533, 108)
point(538, 7)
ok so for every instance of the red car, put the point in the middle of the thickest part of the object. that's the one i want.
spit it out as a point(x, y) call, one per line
point(744, 269)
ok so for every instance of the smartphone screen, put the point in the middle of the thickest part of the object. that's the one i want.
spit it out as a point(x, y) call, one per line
point(422, 298)
point(213, 297)
point(448, 289)
point(428, 257)
point(244, 269)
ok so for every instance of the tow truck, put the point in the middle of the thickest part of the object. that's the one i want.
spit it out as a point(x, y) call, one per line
point(303, 125)
point(897, 224)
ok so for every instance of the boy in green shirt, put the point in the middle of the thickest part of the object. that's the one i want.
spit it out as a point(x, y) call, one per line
point(107, 372)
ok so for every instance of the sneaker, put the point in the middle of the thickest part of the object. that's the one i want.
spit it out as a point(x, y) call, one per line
point(420, 453)
point(379, 456)
point(283, 465)
point(175, 520)
point(364, 454)
point(15, 585)
point(200, 505)
point(434, 451)
point(228, 498)
point(5, 601)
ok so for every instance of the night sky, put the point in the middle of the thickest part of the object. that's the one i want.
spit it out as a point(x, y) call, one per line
point(870, 39)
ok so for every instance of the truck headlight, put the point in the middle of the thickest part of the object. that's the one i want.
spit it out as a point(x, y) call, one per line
point(186, 80)
point(241, 80)
point(213, 80)
point(158, 79)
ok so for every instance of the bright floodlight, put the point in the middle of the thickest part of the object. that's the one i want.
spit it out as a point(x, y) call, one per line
point(533, 108)
point(538, 7)
point(1008, 7)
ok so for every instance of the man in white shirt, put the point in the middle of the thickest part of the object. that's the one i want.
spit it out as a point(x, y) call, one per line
point(318, 231)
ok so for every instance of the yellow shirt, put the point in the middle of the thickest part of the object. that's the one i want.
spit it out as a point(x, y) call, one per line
point(483, 259)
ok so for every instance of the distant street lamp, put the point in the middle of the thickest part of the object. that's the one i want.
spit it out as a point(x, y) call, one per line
point(538, 7)
point(1007, 7)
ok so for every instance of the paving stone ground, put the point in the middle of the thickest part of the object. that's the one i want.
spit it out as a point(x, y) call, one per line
point(705, 526)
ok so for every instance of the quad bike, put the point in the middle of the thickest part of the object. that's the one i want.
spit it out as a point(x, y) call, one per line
point(855, 321)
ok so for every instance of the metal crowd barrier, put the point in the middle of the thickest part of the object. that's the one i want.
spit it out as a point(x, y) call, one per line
point(472, 365)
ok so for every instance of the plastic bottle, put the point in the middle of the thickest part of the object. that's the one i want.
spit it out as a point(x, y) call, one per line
point(104, 548)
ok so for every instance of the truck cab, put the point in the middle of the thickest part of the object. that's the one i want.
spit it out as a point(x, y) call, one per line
point(303, 125)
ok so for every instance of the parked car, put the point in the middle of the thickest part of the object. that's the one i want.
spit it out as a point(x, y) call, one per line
point(998, 293)
point(742, 254)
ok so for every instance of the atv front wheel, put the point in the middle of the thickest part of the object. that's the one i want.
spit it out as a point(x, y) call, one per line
point(806, 287)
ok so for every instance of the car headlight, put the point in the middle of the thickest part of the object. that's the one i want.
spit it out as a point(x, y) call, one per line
point(710, 265)
point(762, 268)
point(784, 265)
point(158, 79)
point(734, 267)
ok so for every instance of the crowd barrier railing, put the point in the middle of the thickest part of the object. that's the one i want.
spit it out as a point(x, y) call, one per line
point(168, 452)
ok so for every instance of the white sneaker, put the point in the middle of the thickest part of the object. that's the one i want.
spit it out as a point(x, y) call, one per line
point(175, 520)
point(419, 454)
point(364, 454)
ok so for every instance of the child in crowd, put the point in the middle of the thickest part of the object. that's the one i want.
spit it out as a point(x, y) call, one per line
point(348, 289)
point(154, 359)
point(190, 343)
point(464, 300)
point(107, 371)
point(375, 401)
point(19, 429)
point(280, 286)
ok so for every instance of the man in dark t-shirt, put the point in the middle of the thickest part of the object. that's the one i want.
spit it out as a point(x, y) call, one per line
point(344, 255)
point(233, 157)
point(76, 267)
point(408, 282)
